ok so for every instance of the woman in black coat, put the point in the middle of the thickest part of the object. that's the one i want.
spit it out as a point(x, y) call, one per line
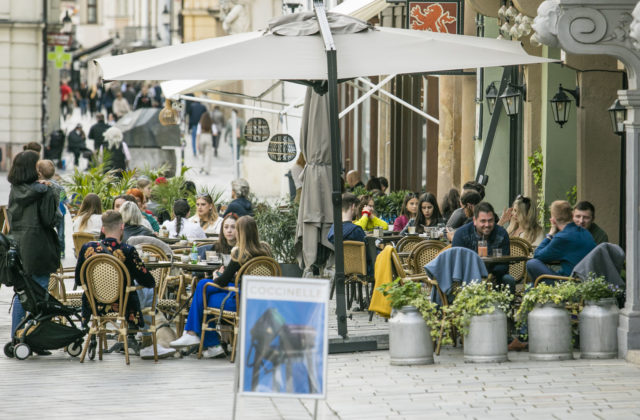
point(33, 215)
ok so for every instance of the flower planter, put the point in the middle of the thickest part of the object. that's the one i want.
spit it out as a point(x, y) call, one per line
point(486, 341)
point(410, 340)
point(599, 329)
point(549, 333)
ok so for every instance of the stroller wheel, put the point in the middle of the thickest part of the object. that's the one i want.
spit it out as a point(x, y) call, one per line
point(74, 349)
point(8, 349)
point(22, 351)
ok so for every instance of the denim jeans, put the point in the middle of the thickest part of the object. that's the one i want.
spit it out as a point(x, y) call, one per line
point(18, 312)
point(194, 134)
point(214, 299)
point(536, 268)
point(61, 235)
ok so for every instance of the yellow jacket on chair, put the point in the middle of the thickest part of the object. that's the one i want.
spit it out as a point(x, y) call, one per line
point(383, 275)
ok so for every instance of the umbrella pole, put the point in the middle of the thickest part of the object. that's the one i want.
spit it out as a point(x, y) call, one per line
point(336, 160)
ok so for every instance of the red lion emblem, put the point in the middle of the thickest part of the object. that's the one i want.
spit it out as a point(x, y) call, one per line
point(432, 18)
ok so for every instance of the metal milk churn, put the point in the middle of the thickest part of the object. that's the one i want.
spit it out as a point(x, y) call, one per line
point(550, 333)
point(409, 338)
point(599, 329)
point(487, 338)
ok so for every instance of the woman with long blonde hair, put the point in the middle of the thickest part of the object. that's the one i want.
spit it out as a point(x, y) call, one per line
point(89, 217)
point(248, 246)
point(522, 220)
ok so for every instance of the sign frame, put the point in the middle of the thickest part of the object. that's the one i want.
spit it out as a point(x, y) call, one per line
point(319, 287)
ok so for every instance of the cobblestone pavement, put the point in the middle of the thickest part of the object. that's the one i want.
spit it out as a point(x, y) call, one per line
point(360, 386)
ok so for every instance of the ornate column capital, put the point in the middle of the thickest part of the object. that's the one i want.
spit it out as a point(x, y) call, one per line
point(592, 27)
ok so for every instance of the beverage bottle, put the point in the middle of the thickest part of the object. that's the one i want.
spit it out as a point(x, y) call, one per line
point(194, 254)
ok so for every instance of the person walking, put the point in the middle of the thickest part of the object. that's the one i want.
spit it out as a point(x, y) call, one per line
point(194, 113)
point(205, 141)
point(33, 216)
point(118, 152)
point(97, 130)
point(76, 143)
point(218, 121)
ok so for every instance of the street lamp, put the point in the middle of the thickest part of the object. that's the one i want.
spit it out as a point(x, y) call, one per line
point(67, 24)
point(618, 114)
point(561, 104)
point(492, 96)
point(511, 99)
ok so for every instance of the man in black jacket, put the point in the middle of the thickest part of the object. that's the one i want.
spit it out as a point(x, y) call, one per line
point(96, 132)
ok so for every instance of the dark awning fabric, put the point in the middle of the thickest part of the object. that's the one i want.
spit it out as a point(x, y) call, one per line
point(141, 128)
point(87, 51)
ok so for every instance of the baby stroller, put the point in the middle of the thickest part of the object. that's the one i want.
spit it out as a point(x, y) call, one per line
point(48, 324)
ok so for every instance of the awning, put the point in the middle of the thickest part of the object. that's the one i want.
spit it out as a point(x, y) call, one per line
point(88, 53)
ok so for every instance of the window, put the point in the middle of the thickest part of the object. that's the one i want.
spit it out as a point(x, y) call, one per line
point(92, 11)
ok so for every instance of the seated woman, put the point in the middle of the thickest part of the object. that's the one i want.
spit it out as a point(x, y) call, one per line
point(141, 202)
point(180, 225)
point(428, 214)
point(521, 220)
point(206, 215)
point(133, 222)
point(368, 221)
point(226, 240)
point(450, 203)
point(408, 211)
point(89, 217)
point(248, 247)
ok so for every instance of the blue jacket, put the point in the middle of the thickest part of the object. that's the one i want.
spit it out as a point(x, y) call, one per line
point(455, 264)
point(467, 237)
point(568, 246)
point(350, 232)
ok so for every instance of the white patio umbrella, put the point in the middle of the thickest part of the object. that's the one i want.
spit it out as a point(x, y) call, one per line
point(318, 49)
point(268, 55)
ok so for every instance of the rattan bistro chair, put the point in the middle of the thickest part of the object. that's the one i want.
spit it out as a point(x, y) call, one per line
point(519, 247)
point(107, 285)
point(423, 254)
point(228, 322)
point(81, 238)
point(355, 272)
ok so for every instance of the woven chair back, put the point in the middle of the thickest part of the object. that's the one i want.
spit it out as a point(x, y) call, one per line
point(519, 247)
point(81, 238)
point(407, 243)
point(105, 278)
point(424, 253)
point(355, 260)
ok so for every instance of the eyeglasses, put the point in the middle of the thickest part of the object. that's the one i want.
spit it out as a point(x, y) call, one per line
point(203, 195)
point(525, 200)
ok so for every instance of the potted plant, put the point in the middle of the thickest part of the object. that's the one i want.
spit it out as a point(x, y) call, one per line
point(413, 325)
point(479, 313)
point(548, 321)
point(598, 320)
point(277, 226)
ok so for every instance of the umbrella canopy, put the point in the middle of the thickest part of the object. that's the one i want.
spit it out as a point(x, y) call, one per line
point(281, 54)
point(141, 128)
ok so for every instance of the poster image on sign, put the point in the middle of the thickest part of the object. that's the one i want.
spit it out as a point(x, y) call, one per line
point(283, 345)
point(435, 16)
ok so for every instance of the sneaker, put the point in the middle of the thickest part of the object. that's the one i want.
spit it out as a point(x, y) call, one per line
point(186, 340)
point(163, 352)
point(213, 352)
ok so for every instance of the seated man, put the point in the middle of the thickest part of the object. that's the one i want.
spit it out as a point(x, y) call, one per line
point(584, 215)
point(458, 217)
point(112, 228)
point(350, 231)
point(483, 227)
point(566, 243)
point(463, 215)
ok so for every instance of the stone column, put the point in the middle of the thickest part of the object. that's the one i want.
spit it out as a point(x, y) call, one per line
point(629, 326)
point(449, 135)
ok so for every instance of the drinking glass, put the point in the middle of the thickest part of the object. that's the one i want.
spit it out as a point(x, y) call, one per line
point(411, 230)
point(483, 250)
point(497, 252)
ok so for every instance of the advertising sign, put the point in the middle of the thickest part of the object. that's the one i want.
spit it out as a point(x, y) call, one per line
point(436, 16)
point(283, 337)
